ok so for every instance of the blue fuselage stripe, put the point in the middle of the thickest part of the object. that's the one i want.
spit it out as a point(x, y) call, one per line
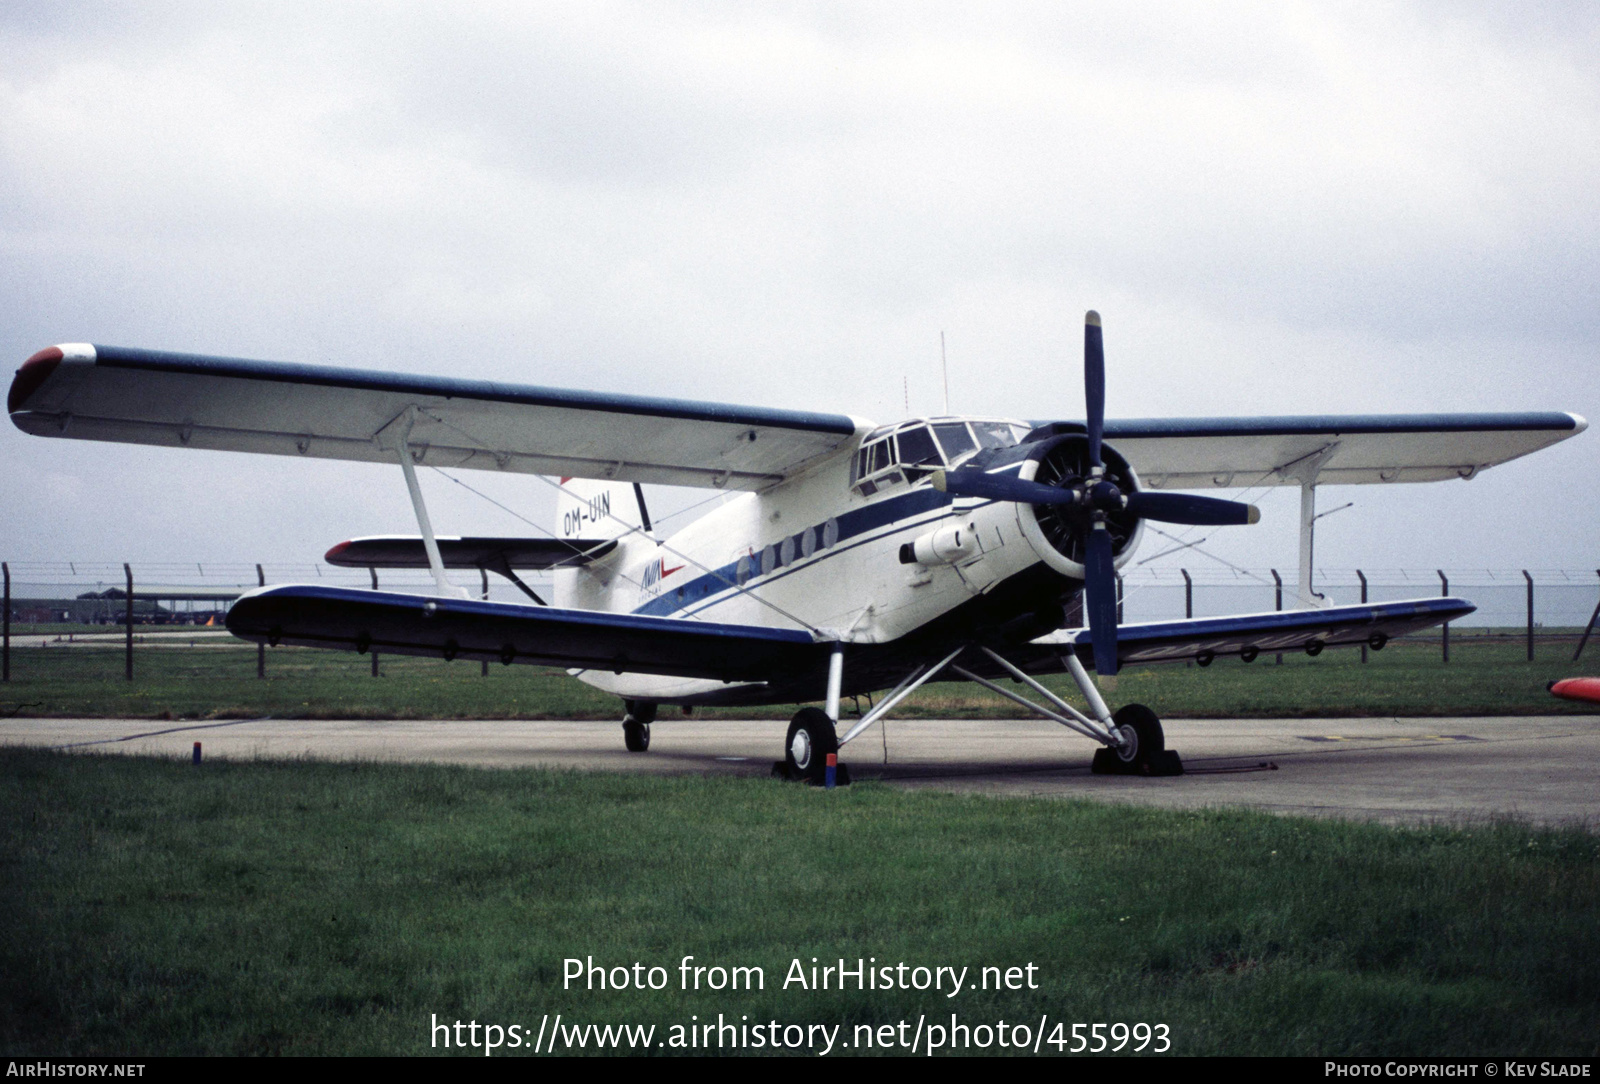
point(897, 513)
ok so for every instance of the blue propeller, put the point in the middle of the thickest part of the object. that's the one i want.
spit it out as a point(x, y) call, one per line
point(1100, 574)
point(1100, 603)
point(1161, 507)
point(1094, 387)
point(1099, 498)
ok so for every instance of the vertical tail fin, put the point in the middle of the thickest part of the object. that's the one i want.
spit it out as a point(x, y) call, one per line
point(589, 508)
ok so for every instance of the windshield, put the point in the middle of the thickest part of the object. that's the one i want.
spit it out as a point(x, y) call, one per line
point(955, 439)
point(907, 452)
point(917, 448)
point(995, 434)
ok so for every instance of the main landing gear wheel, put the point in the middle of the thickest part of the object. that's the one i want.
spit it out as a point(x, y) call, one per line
point(636, 725)
point(1143, 750)
point(805, 751)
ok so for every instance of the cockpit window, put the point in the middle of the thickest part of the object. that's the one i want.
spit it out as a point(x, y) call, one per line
point(995, 434)
point(917, 448)
point(907, 452)
point(954, 439)
point(880, 457)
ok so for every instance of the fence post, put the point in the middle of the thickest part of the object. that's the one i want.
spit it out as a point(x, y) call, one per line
point(1444, 592)
point(484, 672)
point(6, 651)
point(1587, 629)
point(261, 649)
point(127, 571)
point(372, 570)
point(1277, 581)
point(1529, 578)
point(1188, 602)
point(1362, 576)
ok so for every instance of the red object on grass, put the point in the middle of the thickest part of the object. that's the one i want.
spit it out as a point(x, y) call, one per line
point(1584, 688)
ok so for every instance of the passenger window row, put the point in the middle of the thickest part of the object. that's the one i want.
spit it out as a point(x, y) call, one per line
point(779, 554)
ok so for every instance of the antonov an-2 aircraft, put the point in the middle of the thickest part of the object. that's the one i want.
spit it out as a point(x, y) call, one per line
point(856, 557)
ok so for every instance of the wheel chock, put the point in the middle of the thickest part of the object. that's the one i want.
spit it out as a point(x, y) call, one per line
point(780, 770)
point(1166, 762)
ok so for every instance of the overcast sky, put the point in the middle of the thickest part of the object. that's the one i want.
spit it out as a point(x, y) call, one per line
point(1277, 207)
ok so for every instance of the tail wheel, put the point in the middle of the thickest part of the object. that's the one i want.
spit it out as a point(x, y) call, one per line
point(636, 725)
point(1140, 729)
point(811, 738)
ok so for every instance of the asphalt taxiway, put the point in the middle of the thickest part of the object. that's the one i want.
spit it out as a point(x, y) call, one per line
point(1538, 769)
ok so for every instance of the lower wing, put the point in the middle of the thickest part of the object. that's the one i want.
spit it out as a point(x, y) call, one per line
point(1205, 638)
point(400, 624)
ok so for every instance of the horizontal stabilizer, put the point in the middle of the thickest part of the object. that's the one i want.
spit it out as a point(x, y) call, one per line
point(407, 551)
point(1205, 638)
point(355, 620)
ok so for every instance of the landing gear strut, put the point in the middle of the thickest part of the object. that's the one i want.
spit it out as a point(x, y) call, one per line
point(1132, 738)
point(813, 737)
point(636, 724)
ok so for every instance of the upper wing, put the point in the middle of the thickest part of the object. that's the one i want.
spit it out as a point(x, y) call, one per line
point(403, 624)
point(153, 397)
point(1287, 630)
point(1339, 449)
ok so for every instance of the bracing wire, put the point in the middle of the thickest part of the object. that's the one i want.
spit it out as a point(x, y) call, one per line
point(630, 529)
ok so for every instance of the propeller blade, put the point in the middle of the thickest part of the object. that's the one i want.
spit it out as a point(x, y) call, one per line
point(1000, 487)
point(1187, 508)
point(1101, 605)
point(1094, 383)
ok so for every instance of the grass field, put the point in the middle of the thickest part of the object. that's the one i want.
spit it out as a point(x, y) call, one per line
point(1486, 676)
point(303, 908)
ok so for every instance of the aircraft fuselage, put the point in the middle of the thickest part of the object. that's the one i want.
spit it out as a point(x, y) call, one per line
point(818, 553)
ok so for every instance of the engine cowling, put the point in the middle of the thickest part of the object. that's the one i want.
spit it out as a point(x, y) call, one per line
point(1059, 532)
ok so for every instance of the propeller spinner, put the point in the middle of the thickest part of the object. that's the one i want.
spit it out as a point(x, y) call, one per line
point(1096, 497)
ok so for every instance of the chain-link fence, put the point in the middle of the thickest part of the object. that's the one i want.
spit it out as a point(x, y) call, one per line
point(83, 611)
point(92, 618)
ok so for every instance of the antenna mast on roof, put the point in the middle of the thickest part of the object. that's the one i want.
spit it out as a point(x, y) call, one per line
point(945, 366)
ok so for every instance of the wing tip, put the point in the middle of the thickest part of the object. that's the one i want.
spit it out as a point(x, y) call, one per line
point(34, 372)
point(37, 369)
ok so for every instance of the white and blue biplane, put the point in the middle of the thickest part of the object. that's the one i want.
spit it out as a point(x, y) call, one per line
point(856, 558)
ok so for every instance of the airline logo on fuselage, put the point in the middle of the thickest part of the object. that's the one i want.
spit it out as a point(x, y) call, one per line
point(654, 573)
